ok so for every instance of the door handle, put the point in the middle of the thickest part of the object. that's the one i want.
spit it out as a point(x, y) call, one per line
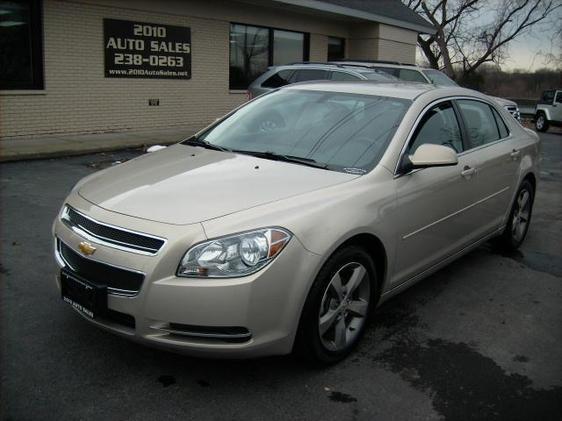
point(515, 154)
point(468, 172)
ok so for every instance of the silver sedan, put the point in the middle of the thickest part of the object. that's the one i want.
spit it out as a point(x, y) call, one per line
point(282, 226)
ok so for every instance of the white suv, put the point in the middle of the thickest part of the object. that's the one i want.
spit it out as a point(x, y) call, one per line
point(549, 110)
point(411, 73)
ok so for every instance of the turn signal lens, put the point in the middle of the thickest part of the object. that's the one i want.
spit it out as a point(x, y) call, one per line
point(237, 255)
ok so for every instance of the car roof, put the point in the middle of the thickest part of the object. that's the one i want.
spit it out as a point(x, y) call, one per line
point(403, 90)
point(381, 64)
point(350, 67)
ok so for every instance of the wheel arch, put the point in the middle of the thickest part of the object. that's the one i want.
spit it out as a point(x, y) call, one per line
point(530, 176)
point(374, 246)
point(543, 111)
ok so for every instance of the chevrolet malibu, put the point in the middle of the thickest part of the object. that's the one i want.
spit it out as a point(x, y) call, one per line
point(283, 225)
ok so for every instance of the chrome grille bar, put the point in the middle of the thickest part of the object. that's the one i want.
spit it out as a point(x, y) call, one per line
point(109, 235)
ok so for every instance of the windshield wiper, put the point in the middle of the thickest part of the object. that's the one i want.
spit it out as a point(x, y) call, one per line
point(286, 158)
point(194, 141)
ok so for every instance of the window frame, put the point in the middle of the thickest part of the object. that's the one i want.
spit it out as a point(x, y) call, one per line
point(419, 124)
point(270, 48)
point(464, 133)
point(36, 41)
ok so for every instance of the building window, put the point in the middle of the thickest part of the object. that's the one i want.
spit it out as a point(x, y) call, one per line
point(21, 51)
point(336, 49)
point(288, 47)
point(254, 48)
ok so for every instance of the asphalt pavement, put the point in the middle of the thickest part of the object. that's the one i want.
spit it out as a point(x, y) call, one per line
point(480, 339)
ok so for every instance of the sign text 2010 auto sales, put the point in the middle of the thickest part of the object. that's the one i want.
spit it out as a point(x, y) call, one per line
point(146, 50)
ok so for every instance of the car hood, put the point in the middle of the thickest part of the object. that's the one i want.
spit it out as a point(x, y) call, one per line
point(185, 184)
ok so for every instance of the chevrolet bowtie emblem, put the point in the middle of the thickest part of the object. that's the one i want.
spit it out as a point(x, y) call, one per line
point(86, 248)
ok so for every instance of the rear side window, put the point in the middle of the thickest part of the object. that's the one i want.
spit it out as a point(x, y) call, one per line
point(502, 127)
point(343, 76)
point(558, 97)
point(309, 74)
point(389, 70)
point(279, 79)
point(480, 122)
point(411, 76)
point(439, 126)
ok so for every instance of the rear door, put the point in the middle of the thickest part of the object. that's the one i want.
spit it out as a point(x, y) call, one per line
point(496, 156)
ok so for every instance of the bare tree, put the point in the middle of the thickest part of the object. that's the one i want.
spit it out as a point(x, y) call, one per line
point(470, 33)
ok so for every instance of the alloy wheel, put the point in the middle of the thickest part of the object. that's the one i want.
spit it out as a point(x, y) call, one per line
point(540, 122)
point(521, 215)
point(344, 307)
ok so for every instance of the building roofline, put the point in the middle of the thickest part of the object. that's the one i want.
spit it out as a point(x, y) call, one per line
point(347, 11)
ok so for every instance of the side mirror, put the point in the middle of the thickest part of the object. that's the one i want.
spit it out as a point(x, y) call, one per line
point(429, 155)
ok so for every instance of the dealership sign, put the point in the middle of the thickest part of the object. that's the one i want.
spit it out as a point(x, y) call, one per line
point(146, 50)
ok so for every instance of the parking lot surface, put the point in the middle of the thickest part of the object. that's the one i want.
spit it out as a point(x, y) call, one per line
point(481, 339)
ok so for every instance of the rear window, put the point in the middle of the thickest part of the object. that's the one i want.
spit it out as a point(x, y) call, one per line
point(279, 79)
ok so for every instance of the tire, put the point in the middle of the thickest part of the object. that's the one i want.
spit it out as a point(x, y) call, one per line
point(541, 123)
point(519, 220)
point(338, 311)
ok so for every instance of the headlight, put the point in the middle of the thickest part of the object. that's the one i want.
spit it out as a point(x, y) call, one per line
point(236, 255)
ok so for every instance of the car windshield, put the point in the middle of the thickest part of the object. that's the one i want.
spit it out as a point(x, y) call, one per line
point(439, 78)
point(340, 131)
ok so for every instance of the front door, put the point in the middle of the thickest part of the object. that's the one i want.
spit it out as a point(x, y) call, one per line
point(434, 205)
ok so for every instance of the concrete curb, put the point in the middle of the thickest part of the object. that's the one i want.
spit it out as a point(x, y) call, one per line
point(60, 146)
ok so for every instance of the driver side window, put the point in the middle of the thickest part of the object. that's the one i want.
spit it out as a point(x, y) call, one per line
point(438, 126)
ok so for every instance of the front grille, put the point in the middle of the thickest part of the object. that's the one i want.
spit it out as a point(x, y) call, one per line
point(116, 279)
point(111, 236)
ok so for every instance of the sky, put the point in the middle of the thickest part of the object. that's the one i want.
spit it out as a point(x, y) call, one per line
point(528, 50)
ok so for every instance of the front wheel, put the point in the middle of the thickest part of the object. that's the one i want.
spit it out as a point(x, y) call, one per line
point(541, 123)
point(519, 218)
point(338, 304)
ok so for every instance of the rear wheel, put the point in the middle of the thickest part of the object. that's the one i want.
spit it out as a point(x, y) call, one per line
point(336, 310)
point(541, 123)
point(519, 218)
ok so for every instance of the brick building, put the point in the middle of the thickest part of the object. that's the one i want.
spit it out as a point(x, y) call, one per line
point(85, 66)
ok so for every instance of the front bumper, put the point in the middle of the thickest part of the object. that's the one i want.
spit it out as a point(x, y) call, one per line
point(250, 316)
